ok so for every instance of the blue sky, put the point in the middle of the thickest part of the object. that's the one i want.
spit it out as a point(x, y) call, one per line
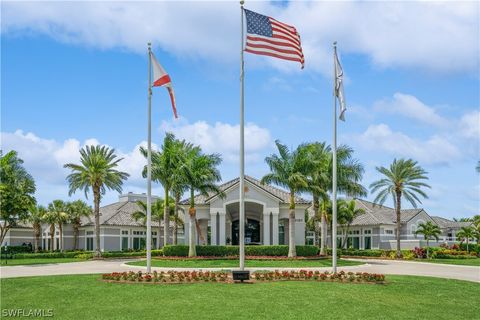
point(74, 74)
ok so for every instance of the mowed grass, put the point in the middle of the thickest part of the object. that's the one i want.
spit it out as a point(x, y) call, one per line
point(225, 263)
point(17, 262)
point(86, 297)
point(459, 262)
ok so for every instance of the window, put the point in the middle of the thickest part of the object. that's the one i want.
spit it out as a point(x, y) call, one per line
point(281, 234)
point(139, 242)
point(354, 232)
point(89, 244)
point(367, 231)
point(124, 232)
point(389, 231)
point(368, 243)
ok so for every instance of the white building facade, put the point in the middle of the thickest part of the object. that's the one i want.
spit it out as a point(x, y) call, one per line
point(266, 214)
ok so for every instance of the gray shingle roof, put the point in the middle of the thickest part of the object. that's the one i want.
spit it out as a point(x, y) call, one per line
point(117, 214)
point(282, 195)
point(377, 214)
point(445, 223)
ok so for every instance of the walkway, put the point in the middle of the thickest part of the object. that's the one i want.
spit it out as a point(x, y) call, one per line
point(469, 273)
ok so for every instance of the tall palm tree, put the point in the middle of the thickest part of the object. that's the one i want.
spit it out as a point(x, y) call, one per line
point(51, 219)
point(348, 212)
point(97, 172)
point(201, 175)
point(158, 212)
point(58, 208)
point(466, 233)
point(349, 175)
point(405, 179)
point(289, 169)
point(179, 183)
point(428, 230)
point(164, 165)
point(75, 211)
point(35, 217)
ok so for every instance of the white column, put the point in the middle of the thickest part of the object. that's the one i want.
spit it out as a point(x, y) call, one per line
point(221, 232)
point(275, 227)
point(266, 228)
point(213, 228)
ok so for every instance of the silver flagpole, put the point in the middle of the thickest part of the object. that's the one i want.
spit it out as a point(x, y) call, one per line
point(149, 164)
point(242, 156)
point(334, 164)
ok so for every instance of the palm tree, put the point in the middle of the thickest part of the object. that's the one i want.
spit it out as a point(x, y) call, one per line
point(405, 179)
point(201, 175)
point(164, 165)
point(428, 230)
point(35, 217)
point(96, 171)
point(57, 209)
point(348, 212)
point(157, 213)
point(289, 169)
point(179, 184)
point(466, 233)
point(51, 220)
point(75, 211)
point(349, 175)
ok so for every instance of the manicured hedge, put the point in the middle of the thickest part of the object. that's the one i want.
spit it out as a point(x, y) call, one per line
point(85, 254)
point(16, 249)
point(119, 254)
point(222, 251)
point(69, 254)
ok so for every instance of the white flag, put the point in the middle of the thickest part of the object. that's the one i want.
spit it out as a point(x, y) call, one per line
point(339, 87)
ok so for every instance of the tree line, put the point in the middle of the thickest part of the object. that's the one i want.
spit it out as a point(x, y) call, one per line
point(183, 168)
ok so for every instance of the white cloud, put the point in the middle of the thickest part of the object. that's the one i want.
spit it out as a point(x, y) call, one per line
point(44, 159)
point(470, 125)
point(409, 106)
point(222, 138)
point(435, 150)
point(436, 36)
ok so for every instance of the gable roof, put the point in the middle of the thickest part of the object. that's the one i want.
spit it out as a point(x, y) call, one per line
point(445, 223)
point(379, 214)
point(117, 214)
point(282, 195)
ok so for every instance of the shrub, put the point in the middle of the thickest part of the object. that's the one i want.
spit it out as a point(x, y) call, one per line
point(224, 251)
point(16, 249)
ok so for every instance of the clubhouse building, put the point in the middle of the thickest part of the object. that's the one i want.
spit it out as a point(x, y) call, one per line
point(266, 213)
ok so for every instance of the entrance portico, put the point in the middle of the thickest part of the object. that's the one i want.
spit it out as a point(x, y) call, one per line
point(266, 214)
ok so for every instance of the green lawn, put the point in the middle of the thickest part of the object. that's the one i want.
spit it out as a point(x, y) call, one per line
point(85, 297)
point(461, 262)
point(17, 262)
point(218, 263)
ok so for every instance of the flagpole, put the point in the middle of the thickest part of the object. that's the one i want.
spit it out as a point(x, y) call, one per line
point(149, 164)
point(242, 155)
point(334, 165)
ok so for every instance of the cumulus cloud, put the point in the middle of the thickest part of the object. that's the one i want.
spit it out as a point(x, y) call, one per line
point(470, 125)
point(409, 106)
point(435, 36)
point(44, 158)
point(222, 138)
point(435, 150)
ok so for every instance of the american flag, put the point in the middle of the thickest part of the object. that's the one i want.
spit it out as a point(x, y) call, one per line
point(269, 37)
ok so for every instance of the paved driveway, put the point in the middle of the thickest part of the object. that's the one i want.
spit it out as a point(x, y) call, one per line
point(468, 273)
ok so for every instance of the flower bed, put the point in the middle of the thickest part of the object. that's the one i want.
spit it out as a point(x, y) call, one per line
point(226, 277)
